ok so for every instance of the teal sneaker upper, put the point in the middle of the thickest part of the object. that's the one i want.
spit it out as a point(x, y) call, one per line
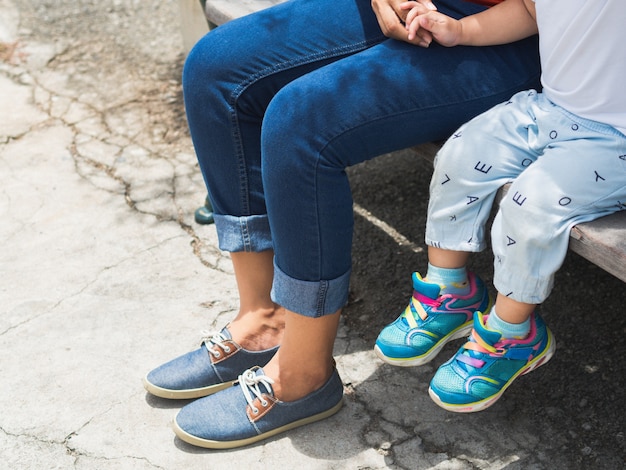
point(487, 364)
point(429, 321)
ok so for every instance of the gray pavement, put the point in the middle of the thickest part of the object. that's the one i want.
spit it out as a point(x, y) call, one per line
point(104, 275)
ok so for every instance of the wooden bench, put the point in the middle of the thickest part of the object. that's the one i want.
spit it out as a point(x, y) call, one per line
point(603, 241)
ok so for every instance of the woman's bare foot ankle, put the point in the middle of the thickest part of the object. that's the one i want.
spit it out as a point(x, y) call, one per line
point(293, 383)
point(259, 330)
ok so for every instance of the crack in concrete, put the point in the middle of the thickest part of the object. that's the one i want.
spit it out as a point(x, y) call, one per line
point(46, 103)
point(46, 442)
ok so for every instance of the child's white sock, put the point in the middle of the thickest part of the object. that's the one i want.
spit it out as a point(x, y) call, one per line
point(452, 281)
point(508, 330)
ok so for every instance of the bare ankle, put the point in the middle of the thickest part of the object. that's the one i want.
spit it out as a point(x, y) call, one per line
point(293, 384)
point(258, 330)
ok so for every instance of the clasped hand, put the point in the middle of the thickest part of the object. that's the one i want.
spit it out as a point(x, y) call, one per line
point(416, 22)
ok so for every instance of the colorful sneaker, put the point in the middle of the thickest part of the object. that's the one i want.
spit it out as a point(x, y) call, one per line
point(429, 322)
point(486, 365)
point(209, 369)
point(249, 412)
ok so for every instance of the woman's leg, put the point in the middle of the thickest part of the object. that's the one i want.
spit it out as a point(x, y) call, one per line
point(254, 273)
point(306, 188)
point(233, 73)
point(304, 361)
point(230, 77)
point(390, 96)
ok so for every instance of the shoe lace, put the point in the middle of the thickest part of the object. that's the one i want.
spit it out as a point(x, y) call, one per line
point(250, 385)
point(210, 339)
point(476, 347)
point(418, 308)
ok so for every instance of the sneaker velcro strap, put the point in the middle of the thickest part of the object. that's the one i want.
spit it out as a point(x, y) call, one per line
point(520, 353)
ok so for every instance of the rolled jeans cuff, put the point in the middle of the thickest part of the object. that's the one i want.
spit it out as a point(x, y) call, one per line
point(310, 298)
point(247, 233)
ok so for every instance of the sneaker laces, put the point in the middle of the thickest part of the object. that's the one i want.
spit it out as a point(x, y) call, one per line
point(476, 347)
point(484, 342)
point(416, 308)
point(210, 339)
point(250, 383)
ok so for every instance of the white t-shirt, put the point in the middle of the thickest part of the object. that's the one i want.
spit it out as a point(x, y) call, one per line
point(583, 57)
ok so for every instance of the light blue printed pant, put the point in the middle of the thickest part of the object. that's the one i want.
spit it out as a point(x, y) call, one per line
point(564, 170)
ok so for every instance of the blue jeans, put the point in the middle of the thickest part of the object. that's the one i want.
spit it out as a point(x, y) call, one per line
point(280, 102)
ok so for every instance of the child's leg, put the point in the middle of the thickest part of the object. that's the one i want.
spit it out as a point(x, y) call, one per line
point(449, 259)
point(579, 177)
point(510, 318)
point(463, 188)
point(447, 269)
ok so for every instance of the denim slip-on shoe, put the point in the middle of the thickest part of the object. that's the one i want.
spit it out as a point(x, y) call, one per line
point(209, 369)
point(430, 321)
point(480, 372)
point(249, 412)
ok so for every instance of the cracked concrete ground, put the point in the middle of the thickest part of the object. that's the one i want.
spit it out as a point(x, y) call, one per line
point(104, 275)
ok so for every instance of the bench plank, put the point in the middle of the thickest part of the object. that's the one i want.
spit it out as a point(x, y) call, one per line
point(603, 242)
